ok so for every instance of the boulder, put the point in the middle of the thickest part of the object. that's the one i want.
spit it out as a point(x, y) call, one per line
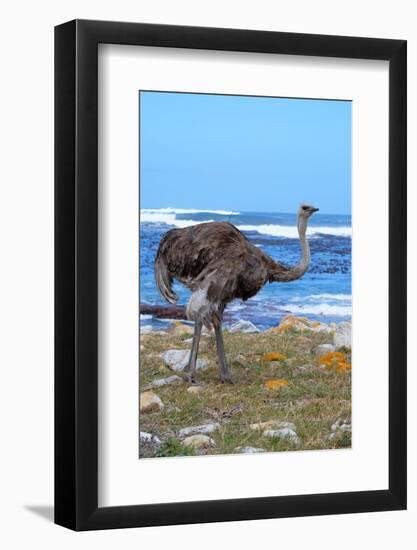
point(203, 429)
point(164, 381)
point(339, 428)
point(283, 433)
point(343, 335)
point(291, 322)
point(341, 425)
point(146, 437)
point(243, 326)
point(272, 425)
point(150, 402)
point(199, 441)
point(336, 361)
point(163, 311)
point(194, 390)
point(178, 359)
point(248, 450)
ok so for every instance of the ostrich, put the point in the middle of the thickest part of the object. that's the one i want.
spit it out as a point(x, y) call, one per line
point(219, 264)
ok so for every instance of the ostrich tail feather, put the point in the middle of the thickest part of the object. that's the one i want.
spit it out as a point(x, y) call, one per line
point(164, 280)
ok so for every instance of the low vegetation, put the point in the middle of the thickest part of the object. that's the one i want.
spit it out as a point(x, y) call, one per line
point(277, 376)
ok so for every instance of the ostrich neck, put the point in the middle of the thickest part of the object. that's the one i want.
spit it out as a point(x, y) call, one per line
point(278, 274)
point(305, 248)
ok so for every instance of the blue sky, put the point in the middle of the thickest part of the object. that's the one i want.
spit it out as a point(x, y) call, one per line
point(244, 153)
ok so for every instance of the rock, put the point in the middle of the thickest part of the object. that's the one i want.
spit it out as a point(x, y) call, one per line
point(179, 329)
point(148, 444)
point(342, 336)
point(177, 360)
point(164, 381)
point(194, 390)
point(147, 330)
point(273, 356)
point(291, 322)
point(146, 437)
point(336, 361)
point(341, 426)
point(248, 450)
point(163, 312)
point(199, 442)
point(276, 384)
point(272, 425)
point(203, 429)
point(243, 326)
point(322, 349)
point(283, 433)
point(150, 402)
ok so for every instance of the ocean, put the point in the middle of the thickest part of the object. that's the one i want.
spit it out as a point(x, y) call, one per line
point(322, 294)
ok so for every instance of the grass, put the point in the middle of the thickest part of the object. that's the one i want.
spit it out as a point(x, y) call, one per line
point(313, 399)
point(173, 447)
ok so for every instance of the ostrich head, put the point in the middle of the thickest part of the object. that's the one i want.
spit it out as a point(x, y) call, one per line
point(304, 213)
point(306, 210)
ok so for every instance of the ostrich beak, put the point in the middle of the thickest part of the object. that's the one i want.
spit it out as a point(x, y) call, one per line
point(314, 210)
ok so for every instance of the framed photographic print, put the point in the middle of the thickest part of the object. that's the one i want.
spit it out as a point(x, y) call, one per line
point(230, 274)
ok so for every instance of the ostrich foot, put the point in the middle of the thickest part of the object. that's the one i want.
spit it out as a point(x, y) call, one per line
point(189, 377)
point(226, 379)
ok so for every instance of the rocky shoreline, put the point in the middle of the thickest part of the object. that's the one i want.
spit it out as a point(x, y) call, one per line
point(163, 312)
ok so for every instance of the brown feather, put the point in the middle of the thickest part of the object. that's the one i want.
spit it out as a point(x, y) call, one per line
point(218, 257)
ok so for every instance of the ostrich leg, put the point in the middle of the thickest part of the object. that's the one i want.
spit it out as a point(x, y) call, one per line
point(191, 367)
point(224, 372)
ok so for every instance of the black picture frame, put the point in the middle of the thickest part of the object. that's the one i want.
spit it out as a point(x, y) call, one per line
point(76, 272)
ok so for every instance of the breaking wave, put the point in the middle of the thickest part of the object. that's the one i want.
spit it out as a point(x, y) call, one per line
point(291, 232)
point(169, 217)
point(170, 210)
point(315, 297)
point(320, 309)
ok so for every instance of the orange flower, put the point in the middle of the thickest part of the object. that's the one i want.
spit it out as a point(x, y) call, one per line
point(273, 356)
point(335, 360)
point(276, 384)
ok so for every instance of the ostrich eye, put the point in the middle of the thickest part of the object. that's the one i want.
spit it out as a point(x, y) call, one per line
point(304, 207)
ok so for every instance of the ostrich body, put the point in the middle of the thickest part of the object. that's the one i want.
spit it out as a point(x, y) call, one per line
point(219, 264)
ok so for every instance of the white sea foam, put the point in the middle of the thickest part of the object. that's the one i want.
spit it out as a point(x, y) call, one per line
point(320, 309)
point(171, 210)
point(291, 231)
point(169, 219)
point(144, 316)
point(320, 297)
point(169, 215)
